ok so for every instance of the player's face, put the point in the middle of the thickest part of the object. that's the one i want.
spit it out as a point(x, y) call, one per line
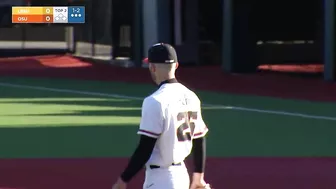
point(152, 71)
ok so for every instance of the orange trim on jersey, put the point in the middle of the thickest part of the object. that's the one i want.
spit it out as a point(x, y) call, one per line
point(148, 132)
point(198, 134)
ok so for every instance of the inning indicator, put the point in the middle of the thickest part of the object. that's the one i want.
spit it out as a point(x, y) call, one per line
point(60, 15)
point(48, 14)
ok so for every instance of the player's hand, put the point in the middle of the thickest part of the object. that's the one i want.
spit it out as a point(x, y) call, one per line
point(200, 185)
point(198, 182)
point(120, 184)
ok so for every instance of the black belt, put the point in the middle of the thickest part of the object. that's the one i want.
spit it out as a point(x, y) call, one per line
point(156, 166)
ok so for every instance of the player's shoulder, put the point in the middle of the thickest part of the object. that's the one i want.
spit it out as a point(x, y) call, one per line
point(192, 95)
point(151, 102)
point(163, 93)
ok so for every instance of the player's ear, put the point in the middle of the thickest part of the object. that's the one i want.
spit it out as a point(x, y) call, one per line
point(152, 67)
point(177, 65)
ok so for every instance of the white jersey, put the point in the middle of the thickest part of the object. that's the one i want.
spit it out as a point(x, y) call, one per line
point(172, 114)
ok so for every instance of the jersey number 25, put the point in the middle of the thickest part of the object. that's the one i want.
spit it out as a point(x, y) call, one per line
point(186, 130)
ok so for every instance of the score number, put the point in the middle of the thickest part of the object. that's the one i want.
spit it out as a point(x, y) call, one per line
point(47, 18)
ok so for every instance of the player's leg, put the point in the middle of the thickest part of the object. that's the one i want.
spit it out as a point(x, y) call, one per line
point(152, 179)
point(181, 178)
point(158, 179)
point(167, 178)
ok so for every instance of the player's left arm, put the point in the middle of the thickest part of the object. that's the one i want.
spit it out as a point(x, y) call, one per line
point(201, 128)
point(150, 129)
point(199, 151)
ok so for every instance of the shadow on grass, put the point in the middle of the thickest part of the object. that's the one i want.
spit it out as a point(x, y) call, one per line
point(118, 107)
point(65, 141)
point(123, 113)
point(79, 101)
point(64, 136)
point(70, 138)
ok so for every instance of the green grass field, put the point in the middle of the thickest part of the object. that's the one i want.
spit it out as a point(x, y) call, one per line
point(76, 118)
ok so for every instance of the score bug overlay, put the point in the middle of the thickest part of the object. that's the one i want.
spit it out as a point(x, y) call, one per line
point(48, 14)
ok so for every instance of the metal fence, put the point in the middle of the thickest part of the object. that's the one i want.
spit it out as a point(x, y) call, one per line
point(107, 34)
point(29, 39)
point(113, 31)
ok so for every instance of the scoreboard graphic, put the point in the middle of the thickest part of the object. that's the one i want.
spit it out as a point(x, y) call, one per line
point(71, 15)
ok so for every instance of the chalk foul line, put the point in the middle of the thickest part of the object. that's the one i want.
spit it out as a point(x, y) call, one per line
point(237, 108)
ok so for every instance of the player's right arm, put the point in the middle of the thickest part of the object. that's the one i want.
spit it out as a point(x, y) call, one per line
point(151, 126)
point(151, 123)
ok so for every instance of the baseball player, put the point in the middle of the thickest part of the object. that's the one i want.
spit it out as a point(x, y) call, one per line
point(171, 128)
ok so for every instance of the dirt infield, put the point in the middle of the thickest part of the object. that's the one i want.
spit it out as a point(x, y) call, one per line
point(231, 173)
point(237, 173)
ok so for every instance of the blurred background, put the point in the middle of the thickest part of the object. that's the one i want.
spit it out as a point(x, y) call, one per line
point(283, 35)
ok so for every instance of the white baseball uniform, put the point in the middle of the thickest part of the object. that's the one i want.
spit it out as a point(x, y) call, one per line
point(172, 114)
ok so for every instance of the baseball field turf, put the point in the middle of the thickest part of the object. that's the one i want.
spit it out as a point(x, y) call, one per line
point(74, 133)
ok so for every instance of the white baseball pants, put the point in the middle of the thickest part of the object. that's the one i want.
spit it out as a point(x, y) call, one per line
point(173, 177)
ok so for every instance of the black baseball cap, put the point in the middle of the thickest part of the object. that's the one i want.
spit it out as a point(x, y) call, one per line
point(161, 53)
